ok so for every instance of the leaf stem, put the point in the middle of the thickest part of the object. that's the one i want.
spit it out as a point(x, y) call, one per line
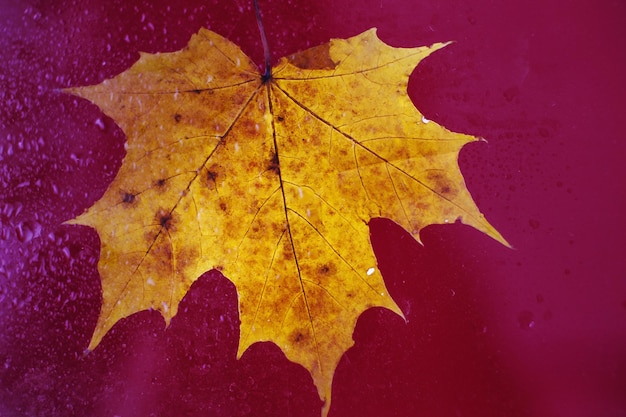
point(268, 67)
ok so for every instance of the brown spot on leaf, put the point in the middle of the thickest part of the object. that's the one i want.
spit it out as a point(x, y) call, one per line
point(314, 58)
point(161, 250)
point(223, 206)
point(160, 182)
point(274, 164)
point(165, 219)
point(177, 117)
point(280, 118)
point(128, 198)
point(210, 178)
point(440, 183)
point(253, 165)
point(297, 337)
point(326, 269)
point(185, 257)
point(251, 127)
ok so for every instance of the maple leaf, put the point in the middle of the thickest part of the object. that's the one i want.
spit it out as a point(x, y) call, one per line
point(272, 181)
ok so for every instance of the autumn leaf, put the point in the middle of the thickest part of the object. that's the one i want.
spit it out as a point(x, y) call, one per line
point(272, 180)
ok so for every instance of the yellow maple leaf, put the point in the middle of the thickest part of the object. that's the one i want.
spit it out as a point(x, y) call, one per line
point(271, 180)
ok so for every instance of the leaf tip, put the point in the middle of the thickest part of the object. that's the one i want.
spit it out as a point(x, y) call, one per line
point(497, 236)
point(439, 45)
point(326, 407)
point(72, 221)
point(505, 242)
point(79, 220)
point(96, 338)
point(78, 91)
point(69, 90)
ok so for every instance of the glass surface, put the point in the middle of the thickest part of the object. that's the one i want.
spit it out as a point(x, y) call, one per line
point(538, 330)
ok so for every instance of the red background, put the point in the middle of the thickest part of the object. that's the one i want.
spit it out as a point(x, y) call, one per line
point(539, 330)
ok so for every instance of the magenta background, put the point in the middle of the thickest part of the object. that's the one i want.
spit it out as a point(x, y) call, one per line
point(535, 331)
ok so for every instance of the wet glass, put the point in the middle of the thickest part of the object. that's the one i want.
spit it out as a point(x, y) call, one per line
point(490, 331)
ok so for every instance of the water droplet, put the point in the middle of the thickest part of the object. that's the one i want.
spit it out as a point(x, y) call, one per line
point(27, 231)
point(526, 320)
point(371, 271)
